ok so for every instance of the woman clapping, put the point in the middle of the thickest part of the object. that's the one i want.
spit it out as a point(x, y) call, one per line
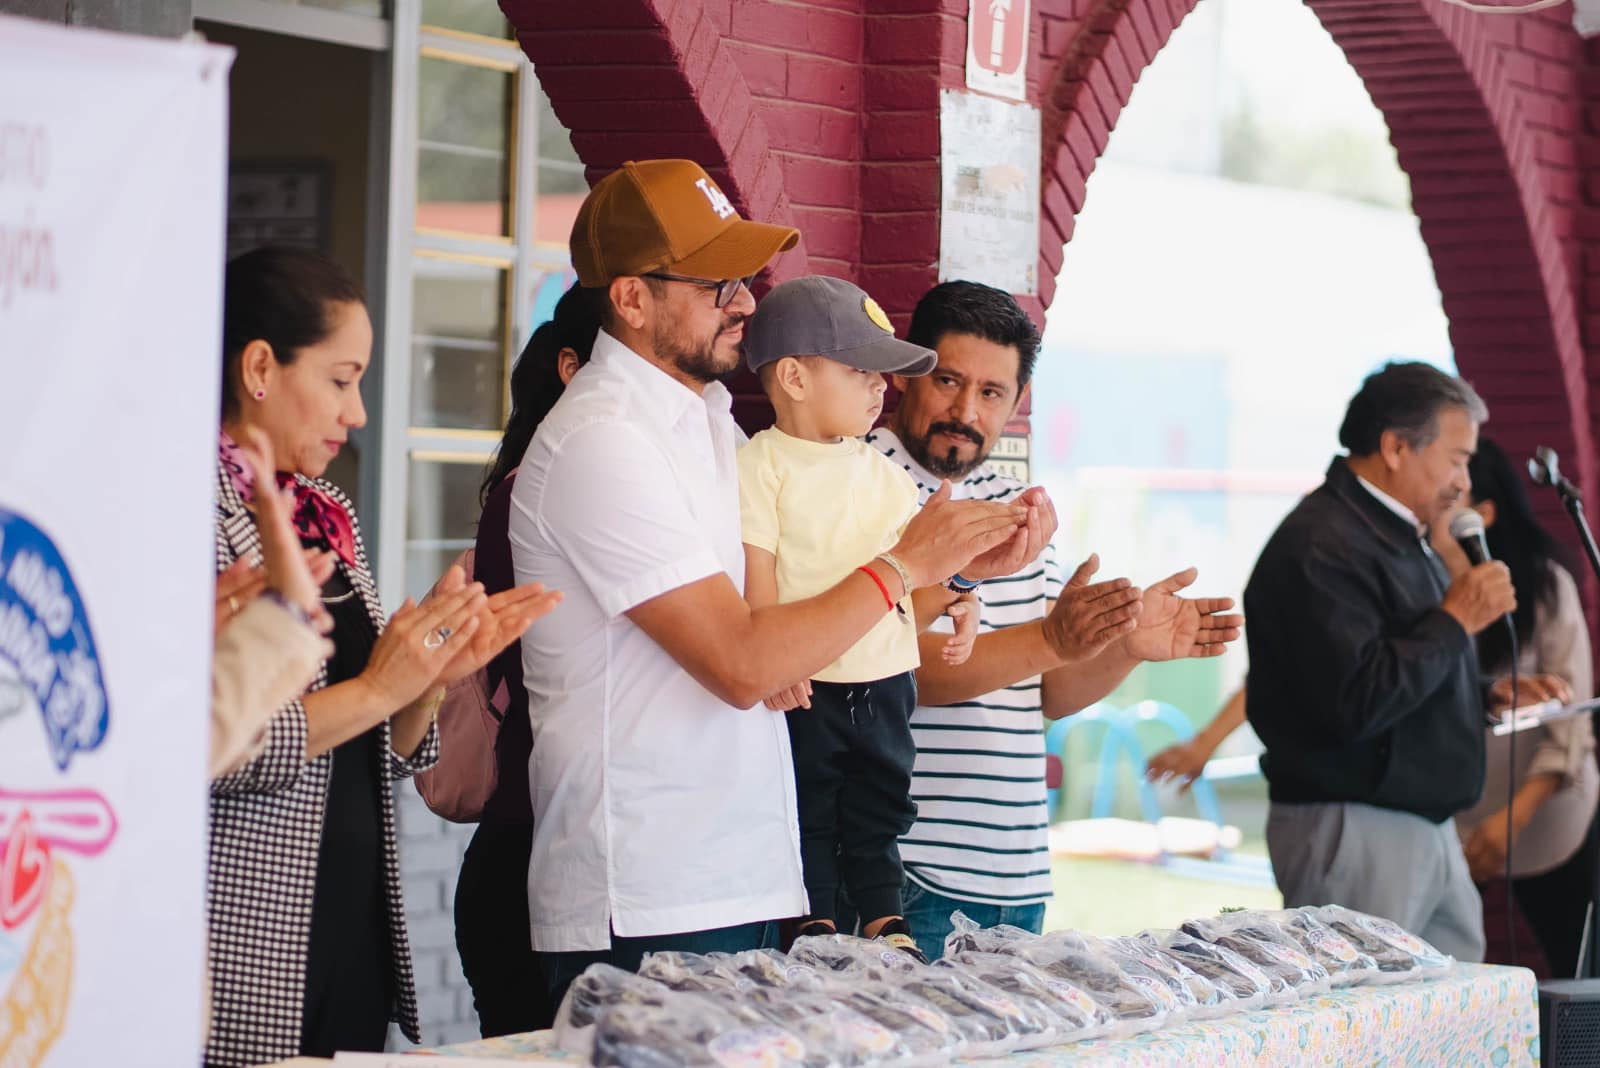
point(308, 943)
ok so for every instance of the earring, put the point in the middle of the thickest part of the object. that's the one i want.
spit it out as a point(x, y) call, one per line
point(261, 394)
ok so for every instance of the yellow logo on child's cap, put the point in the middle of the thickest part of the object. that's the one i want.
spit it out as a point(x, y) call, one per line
point(875, 313)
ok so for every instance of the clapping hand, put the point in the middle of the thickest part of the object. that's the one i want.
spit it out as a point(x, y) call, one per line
point(294, 572)
point(1023, 547)
point(419, 642)
point(945, 535)
point(237, 585)
point(297, 574)
point(502, 619)
point(1171, 627)
point(1087, 618)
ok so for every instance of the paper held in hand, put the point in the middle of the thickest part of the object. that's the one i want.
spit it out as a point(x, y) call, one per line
point(1528, 717)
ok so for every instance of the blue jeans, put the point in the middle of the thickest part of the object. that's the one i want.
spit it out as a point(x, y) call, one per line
point(560, 969)
point(928, 912)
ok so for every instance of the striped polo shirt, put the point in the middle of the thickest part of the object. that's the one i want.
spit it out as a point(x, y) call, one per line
point(982, 821)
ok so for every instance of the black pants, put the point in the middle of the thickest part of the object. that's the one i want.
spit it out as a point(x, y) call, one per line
point(1555, 902)
point(852, 767)
point(508, 988)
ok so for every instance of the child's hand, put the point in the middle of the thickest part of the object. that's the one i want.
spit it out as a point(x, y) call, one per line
point(963, 611)
point(796, 696)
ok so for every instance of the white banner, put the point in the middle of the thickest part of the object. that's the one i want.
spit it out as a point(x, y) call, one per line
point(989, 203)
point(113, 156)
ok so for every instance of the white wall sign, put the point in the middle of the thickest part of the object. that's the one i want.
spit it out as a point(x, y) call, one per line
point(1010, 456)
point(113, 152)
point(989, 203)
point(997, 47)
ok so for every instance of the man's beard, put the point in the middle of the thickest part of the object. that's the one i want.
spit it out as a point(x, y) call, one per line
point(949, 465)
point(698, 359)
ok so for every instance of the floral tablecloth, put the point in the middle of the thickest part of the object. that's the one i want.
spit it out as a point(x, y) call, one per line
point(1477, 1015)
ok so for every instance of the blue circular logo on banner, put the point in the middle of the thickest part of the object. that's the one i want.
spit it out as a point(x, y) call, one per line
point(47, 651)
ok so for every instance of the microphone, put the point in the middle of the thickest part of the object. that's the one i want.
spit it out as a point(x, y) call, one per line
point(1545, 470)
point(1467, 528)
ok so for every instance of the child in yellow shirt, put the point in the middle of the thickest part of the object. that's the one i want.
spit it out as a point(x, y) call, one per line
point(816, 503)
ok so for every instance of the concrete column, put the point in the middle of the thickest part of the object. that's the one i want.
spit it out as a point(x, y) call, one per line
point(154, 18)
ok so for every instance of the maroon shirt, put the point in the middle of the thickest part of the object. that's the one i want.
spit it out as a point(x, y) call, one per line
point(514, 744)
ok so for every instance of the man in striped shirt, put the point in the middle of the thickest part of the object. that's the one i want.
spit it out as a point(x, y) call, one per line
point(1046, 648)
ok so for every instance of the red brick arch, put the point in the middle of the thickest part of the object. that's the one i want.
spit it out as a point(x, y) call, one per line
point(1483, 114)
point(824, 114)
point(818, 113)
point(814, 113)
point(645, 79)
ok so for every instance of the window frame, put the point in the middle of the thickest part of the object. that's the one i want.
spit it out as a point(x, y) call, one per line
point(400, 441)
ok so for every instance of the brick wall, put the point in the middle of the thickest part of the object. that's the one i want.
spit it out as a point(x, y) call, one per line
point(824, 114)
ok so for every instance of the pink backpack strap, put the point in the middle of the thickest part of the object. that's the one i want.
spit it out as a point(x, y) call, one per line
point(459, 786)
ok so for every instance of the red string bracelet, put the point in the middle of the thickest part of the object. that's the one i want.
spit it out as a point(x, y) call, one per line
point(878, 582)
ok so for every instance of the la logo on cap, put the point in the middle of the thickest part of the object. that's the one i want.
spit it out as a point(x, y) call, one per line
point(719, 200)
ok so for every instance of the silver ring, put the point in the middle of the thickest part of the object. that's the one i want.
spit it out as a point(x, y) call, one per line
point(233, 605)
point(436, 637)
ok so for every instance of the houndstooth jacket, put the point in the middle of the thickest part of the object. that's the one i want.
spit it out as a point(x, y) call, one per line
point(266, 830)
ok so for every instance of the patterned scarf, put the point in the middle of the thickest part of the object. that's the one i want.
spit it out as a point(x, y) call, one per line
point(316, 516)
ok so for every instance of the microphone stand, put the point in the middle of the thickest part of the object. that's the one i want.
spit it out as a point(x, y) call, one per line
point(1544, 470)
point(1572, 500)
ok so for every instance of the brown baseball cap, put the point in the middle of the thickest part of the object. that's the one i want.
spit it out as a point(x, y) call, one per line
point(668, 215)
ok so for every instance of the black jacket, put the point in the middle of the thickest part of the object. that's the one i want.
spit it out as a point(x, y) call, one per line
point(1360, 687)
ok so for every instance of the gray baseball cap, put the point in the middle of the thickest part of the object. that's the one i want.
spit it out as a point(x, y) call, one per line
point(822, 316)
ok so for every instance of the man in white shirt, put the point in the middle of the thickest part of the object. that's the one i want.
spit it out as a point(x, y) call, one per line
point(1045, 648)
point(663, 797)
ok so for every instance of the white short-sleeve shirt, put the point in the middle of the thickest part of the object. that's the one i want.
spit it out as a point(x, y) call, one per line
point(658, 808)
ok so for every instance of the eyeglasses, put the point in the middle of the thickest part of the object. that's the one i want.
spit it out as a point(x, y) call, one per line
point(727, 288)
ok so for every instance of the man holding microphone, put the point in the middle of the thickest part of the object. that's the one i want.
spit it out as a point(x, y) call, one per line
point(1364, 685)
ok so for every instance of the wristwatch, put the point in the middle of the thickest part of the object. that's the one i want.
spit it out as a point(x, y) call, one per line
point(957, 584)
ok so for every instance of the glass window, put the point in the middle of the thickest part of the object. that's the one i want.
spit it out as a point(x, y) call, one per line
point(458, 348)
point(442, 518)
point(469, 16)
point(464, 116)
point(561, 183)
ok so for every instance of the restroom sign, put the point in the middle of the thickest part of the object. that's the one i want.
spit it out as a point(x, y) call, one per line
point(997, 47)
